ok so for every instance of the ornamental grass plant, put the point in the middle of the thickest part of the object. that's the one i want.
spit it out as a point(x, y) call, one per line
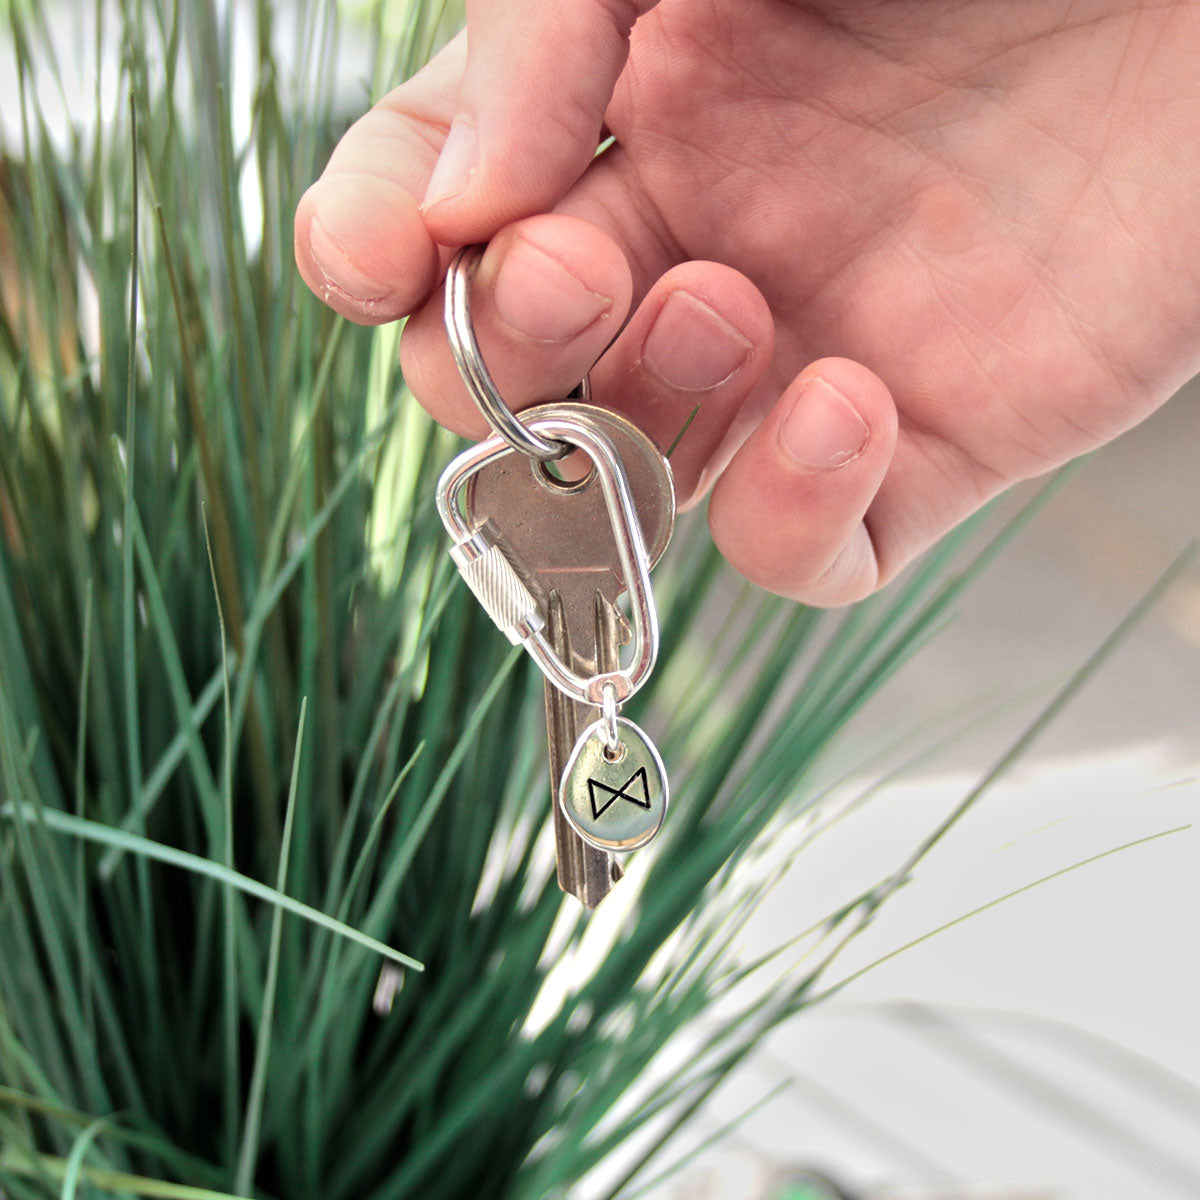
point(278, 913)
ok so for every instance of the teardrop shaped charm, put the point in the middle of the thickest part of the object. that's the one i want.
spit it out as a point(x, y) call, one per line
point(618, 802)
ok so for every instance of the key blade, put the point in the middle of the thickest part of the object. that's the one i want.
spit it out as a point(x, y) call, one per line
point(584, 871)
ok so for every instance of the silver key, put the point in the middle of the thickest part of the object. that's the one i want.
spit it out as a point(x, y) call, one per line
point(561, 536)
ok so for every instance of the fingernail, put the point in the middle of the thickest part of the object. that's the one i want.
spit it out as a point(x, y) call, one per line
point(538, 297)
point(455, 165)
point(327, 237)
point(692, 347)
point(823, 430)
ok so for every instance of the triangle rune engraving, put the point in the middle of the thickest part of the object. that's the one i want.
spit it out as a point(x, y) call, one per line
point(602, 796)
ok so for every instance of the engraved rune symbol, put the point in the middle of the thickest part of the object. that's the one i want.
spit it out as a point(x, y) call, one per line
point(602, 796)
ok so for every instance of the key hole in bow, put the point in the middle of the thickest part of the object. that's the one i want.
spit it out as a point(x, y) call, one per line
point(570, 474)
point(614, 755)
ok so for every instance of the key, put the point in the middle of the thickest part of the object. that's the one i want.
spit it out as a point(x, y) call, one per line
point(560, 535)
point(584, 871)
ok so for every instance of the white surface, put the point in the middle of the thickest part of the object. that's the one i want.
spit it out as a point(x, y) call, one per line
point(1108, 950)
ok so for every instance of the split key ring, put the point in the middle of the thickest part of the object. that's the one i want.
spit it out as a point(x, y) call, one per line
point(463, 344)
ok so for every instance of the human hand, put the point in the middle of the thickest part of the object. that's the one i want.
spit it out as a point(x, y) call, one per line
point(991, 205)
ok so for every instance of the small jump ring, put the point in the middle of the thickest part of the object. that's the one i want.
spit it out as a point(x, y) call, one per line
point(608, 715)
point(476, 375)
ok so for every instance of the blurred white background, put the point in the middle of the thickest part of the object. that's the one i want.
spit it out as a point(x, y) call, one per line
point(1047, 1047)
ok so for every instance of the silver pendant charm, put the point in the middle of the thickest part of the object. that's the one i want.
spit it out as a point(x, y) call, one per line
point(614, 800)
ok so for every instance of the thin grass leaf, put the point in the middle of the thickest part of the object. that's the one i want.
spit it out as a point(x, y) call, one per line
point(117, 1182)
point(834, 1106)
point(142, 847)
point(74, 1164)
point(1036, 727)
point(228, 913)
point(168, 763)
point(1157, 1081)
point(1061, 1103)
point(252, 1120)
point(154, 1144)
point(678, 1164)
point(845, 982)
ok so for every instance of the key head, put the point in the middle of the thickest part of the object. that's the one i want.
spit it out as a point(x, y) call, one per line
point(560, 533)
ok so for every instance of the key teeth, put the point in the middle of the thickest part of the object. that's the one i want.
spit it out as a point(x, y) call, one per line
point(497, 586)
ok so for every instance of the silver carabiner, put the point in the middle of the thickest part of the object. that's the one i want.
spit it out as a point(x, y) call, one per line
point(505, 595)
point(479, 381)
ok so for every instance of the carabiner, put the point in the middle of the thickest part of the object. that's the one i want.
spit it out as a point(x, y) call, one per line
point(479, 381)
point(506, 596)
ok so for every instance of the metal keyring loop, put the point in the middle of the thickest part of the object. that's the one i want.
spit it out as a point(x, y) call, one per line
point(609, 709)
point(478, 378)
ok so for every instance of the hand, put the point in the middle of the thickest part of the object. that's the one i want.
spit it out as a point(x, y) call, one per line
point(990, 204)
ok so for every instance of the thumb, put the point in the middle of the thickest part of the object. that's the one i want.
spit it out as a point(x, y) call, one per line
point(539, 76)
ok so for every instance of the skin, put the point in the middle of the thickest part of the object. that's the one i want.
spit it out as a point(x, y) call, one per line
point(899, 254)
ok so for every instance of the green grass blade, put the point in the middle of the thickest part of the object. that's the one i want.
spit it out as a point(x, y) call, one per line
point(74, 1164)
point(116, 1182)
point(845, 982)
point(130, 843)
point(252, 1120)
